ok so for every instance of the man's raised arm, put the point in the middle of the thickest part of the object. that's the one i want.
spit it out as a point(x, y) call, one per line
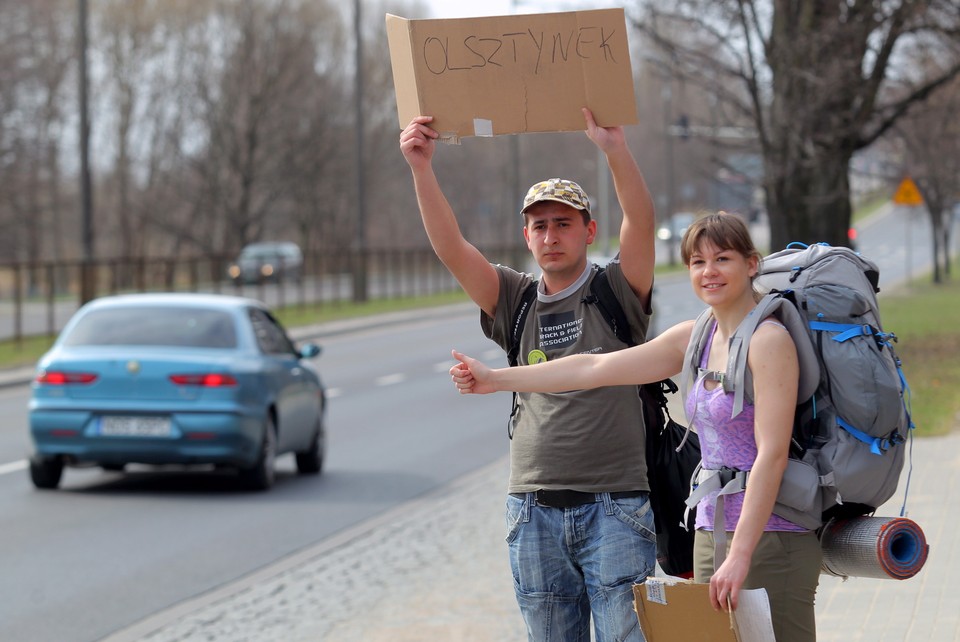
point(469, 267)
point(637, 232)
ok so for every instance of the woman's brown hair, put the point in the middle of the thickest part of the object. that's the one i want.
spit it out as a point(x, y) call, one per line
point(723, 230)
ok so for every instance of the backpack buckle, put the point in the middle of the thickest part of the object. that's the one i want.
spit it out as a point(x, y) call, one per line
point(711, 375)
point(727, 475)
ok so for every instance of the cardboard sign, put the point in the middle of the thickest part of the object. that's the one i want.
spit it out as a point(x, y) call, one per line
point(513, 74)
point(672, 610)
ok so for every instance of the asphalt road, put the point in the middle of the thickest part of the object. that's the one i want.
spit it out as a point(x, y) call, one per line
point(107, 549)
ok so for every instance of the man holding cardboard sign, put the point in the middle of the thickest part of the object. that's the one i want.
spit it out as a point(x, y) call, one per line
point(580, 527)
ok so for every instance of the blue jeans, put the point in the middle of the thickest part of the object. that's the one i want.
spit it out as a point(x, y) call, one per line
point(571, 563)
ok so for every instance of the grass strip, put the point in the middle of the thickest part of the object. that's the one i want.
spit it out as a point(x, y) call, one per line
point(926, 319)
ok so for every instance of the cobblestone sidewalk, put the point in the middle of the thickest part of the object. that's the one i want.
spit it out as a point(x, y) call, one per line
point(436, 570)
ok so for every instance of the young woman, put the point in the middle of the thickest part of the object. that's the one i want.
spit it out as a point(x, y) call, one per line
point(763, 550)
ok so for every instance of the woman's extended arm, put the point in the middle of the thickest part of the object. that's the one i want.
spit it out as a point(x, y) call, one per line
point(651, 361)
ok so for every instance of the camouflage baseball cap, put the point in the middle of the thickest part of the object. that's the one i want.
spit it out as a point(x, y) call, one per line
point(559, 190)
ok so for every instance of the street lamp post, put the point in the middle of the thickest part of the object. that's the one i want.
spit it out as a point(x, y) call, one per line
point(603, 204)
point(360, 241)
point(87, 274)
point(516, 189)
point(671, 202)
point(665, 73)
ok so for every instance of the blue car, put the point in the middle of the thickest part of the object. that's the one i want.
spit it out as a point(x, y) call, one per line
point(176, 379)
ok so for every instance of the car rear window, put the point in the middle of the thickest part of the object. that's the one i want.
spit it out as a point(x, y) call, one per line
point(155, 326)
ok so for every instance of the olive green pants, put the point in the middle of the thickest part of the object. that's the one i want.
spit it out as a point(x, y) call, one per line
point(787, 565)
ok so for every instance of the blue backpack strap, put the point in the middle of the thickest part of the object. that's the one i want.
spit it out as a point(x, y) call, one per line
point(847, 331)
point(878, 445)
point(844, 332)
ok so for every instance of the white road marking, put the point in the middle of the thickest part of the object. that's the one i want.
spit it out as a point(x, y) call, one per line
point(13, 466)
point(390, 380)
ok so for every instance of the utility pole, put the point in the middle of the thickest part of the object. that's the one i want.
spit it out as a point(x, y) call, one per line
point(603, 214)
point(516, 193)
point(667, 95)
point(87, 270)
point(360, 240)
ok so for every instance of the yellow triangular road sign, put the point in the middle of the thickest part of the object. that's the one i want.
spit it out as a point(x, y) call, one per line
point(907, 193)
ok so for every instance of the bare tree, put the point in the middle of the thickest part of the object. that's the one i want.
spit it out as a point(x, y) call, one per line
point(58, 37)
point(813, 80)
point(37, 45)
point(930, 135)
point(255, 102)
point(315, 166)
point(14, 31)
point(166, 196)
point(216, 123)
point(127, 37)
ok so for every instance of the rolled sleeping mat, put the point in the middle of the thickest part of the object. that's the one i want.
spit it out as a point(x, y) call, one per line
point(870, 546)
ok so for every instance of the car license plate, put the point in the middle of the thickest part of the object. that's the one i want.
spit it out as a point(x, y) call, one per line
point(116, 426)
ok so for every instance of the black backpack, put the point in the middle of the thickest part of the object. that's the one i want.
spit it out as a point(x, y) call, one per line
point(670, 460)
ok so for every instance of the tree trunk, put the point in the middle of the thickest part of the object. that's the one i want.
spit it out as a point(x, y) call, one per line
point(935, 234)
point(809, 203)
point(946, 246)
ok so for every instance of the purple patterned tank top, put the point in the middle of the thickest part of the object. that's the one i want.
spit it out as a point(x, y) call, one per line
point(724, 442)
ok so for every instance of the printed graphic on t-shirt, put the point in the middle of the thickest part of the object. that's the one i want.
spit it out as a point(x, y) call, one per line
point(559, 330)
point(536, 356)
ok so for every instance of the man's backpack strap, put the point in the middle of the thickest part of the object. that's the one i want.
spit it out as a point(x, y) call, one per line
point(601, 295)
point(653, 395)
point(519, 320)
point(516, 330)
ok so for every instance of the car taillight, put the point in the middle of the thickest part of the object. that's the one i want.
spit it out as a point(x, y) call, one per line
point(62, 378)
point(207, 380)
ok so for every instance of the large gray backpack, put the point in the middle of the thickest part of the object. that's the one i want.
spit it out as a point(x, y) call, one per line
point(852, 419)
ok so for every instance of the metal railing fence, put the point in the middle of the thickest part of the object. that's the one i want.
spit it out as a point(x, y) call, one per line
point(38, 297)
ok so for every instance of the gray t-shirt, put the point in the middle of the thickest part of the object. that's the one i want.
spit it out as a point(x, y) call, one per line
point(586, 440)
